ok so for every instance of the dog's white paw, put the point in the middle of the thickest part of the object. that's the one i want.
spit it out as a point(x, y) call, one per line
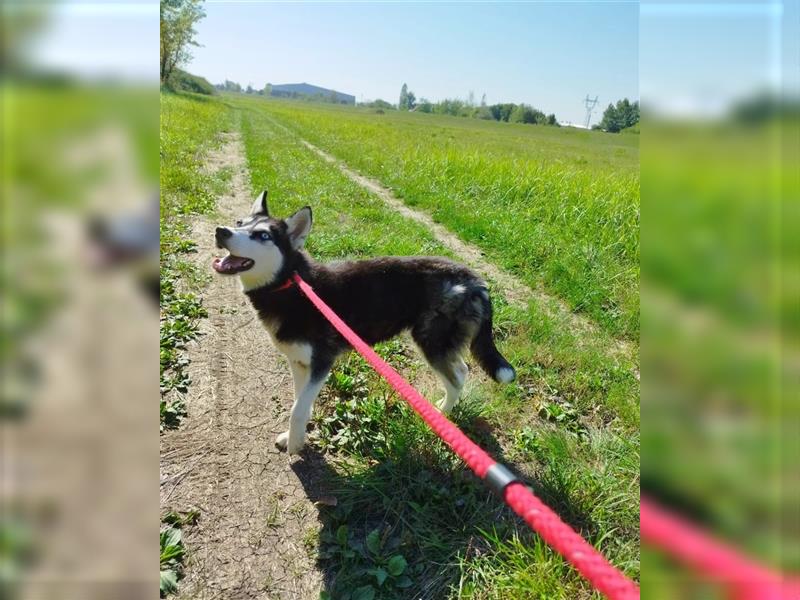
point(286, 443)
point(294, 446)
point(282, 441)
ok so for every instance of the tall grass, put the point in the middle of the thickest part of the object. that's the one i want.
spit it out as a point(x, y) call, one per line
point(551, 205)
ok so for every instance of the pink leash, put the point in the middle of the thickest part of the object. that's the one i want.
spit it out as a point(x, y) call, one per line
point(539, 517)
point(711, 558)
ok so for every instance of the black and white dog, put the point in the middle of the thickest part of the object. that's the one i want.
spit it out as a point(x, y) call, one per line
point(444, 305)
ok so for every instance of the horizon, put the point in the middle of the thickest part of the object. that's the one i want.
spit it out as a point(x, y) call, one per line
point(549, 56)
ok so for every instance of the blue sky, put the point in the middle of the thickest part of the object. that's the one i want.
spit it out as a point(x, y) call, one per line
point(546, 54)
point(698, 56)
point(116, 38)
point(694, 57)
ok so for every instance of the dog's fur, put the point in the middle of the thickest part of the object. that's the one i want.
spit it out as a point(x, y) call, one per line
point(444, 305)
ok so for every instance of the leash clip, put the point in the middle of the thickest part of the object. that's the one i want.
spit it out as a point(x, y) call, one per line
point(498, 477)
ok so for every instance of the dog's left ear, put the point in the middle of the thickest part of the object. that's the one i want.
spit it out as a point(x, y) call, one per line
point(259, 207)
point(298, 226)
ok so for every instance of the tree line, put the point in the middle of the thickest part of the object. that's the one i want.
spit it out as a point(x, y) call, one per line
point(232, 86)
point(508, 111)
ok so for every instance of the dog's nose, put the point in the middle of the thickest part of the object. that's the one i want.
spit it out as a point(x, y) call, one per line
point(223, 233)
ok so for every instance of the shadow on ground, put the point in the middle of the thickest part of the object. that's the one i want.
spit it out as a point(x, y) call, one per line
point(403, 526)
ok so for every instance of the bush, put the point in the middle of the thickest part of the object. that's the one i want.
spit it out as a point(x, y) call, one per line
point(380, 104)
point(424, 106)
point(186, 82)
point(453, 107)
point(523, 113)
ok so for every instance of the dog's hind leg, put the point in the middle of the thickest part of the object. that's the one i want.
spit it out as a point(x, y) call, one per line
point(442, 338)
point(452, 372)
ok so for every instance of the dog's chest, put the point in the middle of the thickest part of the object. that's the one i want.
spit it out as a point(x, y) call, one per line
point(295, 351)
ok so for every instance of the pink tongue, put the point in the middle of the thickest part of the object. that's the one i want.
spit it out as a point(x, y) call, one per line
point(228, 264)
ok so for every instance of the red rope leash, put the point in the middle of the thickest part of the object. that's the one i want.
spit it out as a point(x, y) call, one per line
point(588, 561)
point(711, 558)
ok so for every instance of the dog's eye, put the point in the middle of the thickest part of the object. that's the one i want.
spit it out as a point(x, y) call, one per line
point(262, 235)
point(239, 223)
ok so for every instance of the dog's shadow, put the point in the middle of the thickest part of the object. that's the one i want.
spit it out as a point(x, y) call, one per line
point(404, 526)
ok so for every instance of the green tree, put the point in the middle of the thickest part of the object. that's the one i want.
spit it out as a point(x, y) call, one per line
point(483, 112)
point(23, 22)
point(610, 121)
point(502, 112)
point(178, 18)
point(523, 113)
point(454, 107)
point(403, 104)
point(620, 116)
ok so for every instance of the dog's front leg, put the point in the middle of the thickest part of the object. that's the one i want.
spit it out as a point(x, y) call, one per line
point(308, 384)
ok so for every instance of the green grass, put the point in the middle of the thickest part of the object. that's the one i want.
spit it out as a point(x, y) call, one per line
point(721, 328)
point(569, 425)
point(410, 521)
point(44, 128)
point(189, 127)
point(552, 205)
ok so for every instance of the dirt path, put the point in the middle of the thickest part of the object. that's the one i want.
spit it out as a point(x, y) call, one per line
point(256, 503)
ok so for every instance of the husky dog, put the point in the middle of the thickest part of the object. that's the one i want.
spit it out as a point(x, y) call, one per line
point(444, 305)
point(129, 240)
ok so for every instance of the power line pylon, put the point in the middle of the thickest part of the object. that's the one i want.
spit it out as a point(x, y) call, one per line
point(589, 103)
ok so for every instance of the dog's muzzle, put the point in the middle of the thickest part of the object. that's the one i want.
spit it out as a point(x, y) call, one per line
point(222, 234)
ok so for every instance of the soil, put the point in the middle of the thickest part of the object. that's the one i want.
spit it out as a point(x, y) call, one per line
point(256, 503)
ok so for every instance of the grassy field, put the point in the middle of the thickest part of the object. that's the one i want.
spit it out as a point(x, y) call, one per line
point(410, 521)
point(554, 206)
point(720, 328)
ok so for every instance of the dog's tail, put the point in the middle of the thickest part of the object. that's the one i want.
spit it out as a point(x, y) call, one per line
point(483, 348)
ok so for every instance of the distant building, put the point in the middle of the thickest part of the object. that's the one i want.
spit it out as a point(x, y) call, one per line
point(306, 90)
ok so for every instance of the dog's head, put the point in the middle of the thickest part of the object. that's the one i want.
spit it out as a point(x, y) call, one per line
point(261, 247)
point(127, 241)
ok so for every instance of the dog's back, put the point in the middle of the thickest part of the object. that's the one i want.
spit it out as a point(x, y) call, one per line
point(445, 306)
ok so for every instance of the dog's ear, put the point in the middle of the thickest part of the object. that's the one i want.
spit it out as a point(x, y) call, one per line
point(298, 226)
point(259, 208)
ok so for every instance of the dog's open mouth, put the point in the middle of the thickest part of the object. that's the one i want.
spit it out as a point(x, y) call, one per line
point(232, 264)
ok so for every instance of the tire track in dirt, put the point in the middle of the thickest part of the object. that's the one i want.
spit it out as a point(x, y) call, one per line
point(515, 291)
point(256, 504)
